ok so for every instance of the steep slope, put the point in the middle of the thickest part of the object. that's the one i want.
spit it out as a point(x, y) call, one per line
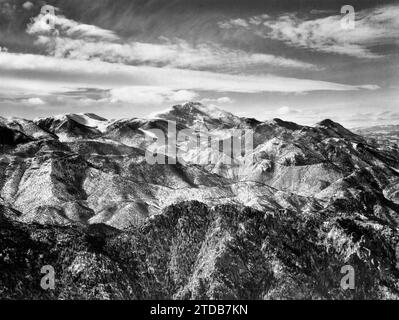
point(191, 251)
point(26, 248)
point(83, 169)
point(11, 137)
point(28, 127)
point(195, 114)
point(74, 126)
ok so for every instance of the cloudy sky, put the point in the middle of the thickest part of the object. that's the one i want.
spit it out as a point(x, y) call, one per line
point(296, 60)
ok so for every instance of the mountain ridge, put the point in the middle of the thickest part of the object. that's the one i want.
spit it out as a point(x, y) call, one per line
point(278, 222)
point(82, 174)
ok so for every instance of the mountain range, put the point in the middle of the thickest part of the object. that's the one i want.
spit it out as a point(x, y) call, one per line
point(384, 134)
point(77, 192)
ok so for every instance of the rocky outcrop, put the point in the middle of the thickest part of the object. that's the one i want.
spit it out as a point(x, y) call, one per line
point(192, 251)
point(10, 137)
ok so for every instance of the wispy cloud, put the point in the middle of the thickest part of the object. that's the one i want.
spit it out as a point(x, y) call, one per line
point(221, 100)
point(34, 101)
point(58, 25)
point(285, 110)
point(143, 95)
point(175, 53)
point(317, 11)
point(27, 5)
point(373, 27)
point(69, 39)
point(90, 74)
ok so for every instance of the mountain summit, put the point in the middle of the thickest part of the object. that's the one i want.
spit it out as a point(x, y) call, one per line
point(194, 112)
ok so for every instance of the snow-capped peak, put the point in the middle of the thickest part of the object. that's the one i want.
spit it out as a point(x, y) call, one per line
point(192, 112)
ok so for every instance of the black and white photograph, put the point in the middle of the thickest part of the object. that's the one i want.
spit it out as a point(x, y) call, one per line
point(199, 150)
